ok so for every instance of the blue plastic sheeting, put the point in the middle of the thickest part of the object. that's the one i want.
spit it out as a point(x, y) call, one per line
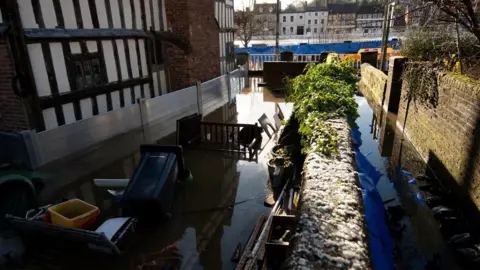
point(340, 48)
point(381, 247)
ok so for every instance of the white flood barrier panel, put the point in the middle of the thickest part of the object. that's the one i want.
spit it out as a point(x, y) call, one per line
point(156, 116)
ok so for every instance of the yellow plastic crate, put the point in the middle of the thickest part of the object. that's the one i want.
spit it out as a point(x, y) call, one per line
point(73, 213)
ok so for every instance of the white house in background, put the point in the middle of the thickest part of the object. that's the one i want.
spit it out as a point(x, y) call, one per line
point(312, 22)
point(369, 20)
point(225, 18)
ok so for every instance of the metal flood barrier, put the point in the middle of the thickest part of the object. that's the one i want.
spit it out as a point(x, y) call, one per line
point(154, 117)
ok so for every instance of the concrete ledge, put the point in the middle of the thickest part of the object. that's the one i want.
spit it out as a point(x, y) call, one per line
point(331, 232)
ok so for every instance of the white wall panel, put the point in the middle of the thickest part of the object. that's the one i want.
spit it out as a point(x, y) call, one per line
point(109, 61)
point(102, 13)
point(92, 46)
point(156, 85)
point(86, 16)
point(115, 9)
point(68, 14)
point(102, 104)
point(39, 69)
point(86, 108)
point(164, 15)
point(143, 58)
point(75, 48)
point(146, 90)
point(138, 92)
point(49, 118)
point(156, 15)
point(133, 58)
point(48, 14)
point(148, 14)
point(138, 14)
point(163, 82)
point(127, 98)
point(115, 100)
point(68, 113)
point(26, 14)
point(122, 58)
point(127, 14)
point(59, 67)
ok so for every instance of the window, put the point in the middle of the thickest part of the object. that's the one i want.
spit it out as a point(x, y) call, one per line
point(301, 17)
point(284, 30)
point(365, 31)
point(315, 30)
point(322, 21)
point(309, 21)
point(284, 18)
point(86, 70)
point(316, 13)
point(260, 9)
point(291, 18)
point(300, 30)
point(316, 21)
point(321, 30)
point(291, 30)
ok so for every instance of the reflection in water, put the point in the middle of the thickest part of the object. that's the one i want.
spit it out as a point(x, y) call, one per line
point(417, 237)
point(210, 215)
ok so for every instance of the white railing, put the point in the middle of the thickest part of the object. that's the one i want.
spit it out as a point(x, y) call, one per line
point(256, 60)
point(155, 117)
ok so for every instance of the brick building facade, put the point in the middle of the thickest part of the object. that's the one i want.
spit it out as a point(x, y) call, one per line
point(195, 22)
point(12, 114)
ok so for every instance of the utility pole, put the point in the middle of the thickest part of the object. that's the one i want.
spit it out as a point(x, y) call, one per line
point(277, 34)
point(387, 19)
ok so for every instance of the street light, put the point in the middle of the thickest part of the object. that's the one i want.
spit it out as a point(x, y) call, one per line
point(388, 13)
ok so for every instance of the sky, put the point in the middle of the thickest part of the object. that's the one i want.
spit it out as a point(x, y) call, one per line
point(239, 4)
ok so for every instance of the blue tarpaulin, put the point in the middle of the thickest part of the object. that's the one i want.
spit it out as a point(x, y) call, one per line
point(381, 248)
point(340, 48)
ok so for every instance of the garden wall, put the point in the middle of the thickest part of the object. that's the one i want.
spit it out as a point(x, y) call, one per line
point(443, 133)
point(332, 220)
point(447, 135)
point(372, 83)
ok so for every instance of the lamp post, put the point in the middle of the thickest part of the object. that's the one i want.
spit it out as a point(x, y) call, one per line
point(388, 13)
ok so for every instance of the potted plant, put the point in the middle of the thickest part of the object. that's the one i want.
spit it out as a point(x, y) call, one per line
point(280, 165)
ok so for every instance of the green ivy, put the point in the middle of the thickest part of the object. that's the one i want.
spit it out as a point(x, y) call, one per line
point(324, 92)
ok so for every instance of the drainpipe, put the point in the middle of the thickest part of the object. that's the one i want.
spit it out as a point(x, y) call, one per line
point(277, 32)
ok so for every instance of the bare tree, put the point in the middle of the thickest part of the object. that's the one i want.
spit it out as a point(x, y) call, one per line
point(463, 12)
point(245, 25)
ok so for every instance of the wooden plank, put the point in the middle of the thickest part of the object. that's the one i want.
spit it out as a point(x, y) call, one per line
point(251, 242)
point(51, 101)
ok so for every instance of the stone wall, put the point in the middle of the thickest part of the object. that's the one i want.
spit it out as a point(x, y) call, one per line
point(12, 114)
point(332, 225)
point(447, 135)
point(373, 82)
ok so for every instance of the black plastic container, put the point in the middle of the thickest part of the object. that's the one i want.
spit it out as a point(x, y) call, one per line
point(150, 192)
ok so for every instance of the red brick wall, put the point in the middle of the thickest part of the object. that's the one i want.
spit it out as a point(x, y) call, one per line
point(12, 114)
point(195, 21)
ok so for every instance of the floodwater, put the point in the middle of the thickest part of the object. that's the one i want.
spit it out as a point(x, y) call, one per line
point(204, 226)
point(419, 245)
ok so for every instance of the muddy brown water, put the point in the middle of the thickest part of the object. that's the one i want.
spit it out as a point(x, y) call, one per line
point(203, 225)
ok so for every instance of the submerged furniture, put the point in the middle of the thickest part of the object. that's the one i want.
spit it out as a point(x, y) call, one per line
point(241, 140)
point(150, 191)
point(107, 238)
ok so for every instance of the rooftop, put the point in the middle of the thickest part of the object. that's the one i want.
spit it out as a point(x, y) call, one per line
point(342, 8)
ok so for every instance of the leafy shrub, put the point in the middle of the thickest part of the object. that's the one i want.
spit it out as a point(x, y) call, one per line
point(324, 92)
